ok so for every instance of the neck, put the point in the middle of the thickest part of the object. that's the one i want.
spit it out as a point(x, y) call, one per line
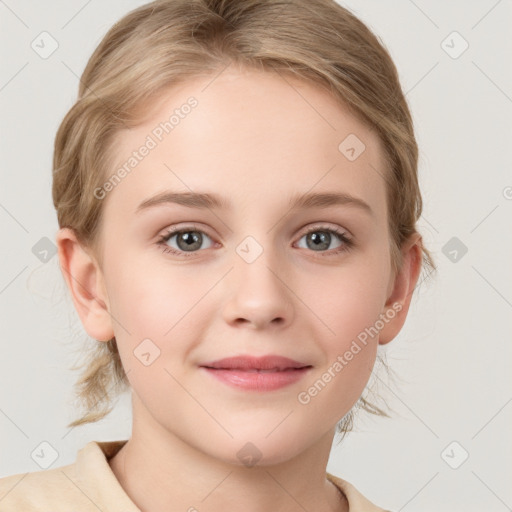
point(182, 477)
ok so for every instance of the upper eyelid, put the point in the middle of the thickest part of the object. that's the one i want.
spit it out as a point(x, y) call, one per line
point(321, 226)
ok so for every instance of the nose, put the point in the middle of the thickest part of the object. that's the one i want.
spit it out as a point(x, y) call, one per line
point(258, 294)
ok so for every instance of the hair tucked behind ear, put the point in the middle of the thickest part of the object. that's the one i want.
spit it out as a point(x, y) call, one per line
point(165, 42)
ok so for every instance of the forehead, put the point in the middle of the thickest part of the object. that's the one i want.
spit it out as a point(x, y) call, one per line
point(248, 132)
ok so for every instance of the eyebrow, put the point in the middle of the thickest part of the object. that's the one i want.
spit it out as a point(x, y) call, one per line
point(213, 201)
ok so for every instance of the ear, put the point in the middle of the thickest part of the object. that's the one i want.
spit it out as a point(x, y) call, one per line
point(86, 285)
point(402, 286)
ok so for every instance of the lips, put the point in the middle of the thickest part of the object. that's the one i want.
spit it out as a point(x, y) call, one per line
point(256, 374)
point(265, 364)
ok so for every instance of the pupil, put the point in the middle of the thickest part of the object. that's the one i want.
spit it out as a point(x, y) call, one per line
point(190, 239)
point(320, 238)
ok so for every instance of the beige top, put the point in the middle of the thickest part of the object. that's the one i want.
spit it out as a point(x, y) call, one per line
point(89, 485)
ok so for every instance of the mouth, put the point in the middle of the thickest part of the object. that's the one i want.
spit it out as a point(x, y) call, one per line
point(266, 373)
point(256, 370)
point(264, 364)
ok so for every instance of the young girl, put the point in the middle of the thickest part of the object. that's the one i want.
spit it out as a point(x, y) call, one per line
point(237, 195)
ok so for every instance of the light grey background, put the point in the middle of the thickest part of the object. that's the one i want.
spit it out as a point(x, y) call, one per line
point(454, 353)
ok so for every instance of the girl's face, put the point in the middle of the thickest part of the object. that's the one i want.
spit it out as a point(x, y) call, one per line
point(244, 277)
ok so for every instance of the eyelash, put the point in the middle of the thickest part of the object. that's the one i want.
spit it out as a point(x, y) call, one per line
point(346, 246)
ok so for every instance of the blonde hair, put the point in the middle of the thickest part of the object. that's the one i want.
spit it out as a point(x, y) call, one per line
point(165, 42)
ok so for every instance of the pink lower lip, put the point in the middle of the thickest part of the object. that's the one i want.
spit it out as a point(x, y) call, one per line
point(267, 381)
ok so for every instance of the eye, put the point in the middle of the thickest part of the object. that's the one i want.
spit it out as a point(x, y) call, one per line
point(321, 237)
point(188, 240)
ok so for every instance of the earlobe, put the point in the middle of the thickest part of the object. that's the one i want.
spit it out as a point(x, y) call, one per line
point(397, 304)
point(85, 283)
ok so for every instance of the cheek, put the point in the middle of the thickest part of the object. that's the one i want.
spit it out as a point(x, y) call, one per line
point(150, 299)
point(345, 300)
point(159, 322)
point(347, 305)
point(153, 308)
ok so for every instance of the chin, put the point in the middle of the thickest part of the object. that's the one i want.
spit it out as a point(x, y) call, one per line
point(255, 449)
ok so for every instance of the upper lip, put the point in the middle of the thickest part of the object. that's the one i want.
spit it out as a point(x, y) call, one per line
point(269, 362)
